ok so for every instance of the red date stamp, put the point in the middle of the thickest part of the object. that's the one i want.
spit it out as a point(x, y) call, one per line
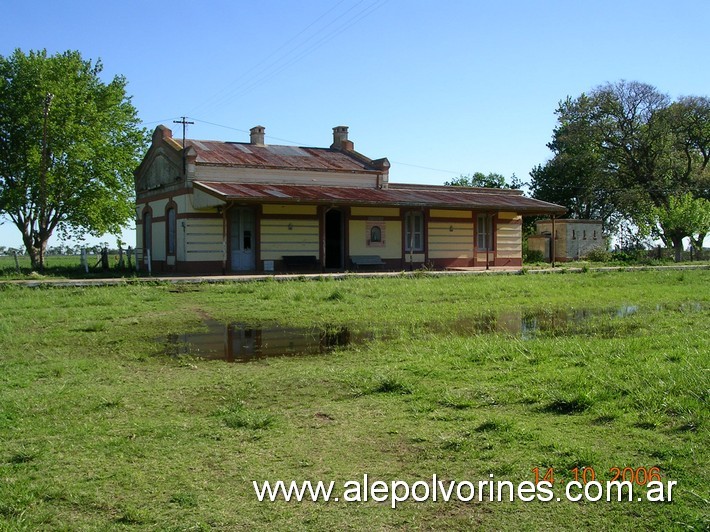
point(636, 475)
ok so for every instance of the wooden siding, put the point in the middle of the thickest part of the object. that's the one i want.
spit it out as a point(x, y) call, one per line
point(277, 239)
point(508, 239)
point(203, 239)
point(560, 239)
point(445, 243)
point(290, 209)
point(392, 248)
point(418, 258)
point(281, 177)
point(374, 211)
point(446, 213)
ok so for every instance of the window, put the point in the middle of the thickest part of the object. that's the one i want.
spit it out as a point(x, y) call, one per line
point(414, 231)
point(375, 234)
point(574, 235)
point(147, 232)
point(584, 234)
point(171, 230)
point(484, 239)
point(595, 235)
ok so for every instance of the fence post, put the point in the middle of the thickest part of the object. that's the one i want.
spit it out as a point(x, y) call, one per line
point(84, 260)
point(104, 258)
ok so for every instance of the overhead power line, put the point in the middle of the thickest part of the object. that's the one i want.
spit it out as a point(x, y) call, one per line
point(159, 121)
point(265, 70)
point(296, 143)
point(650, 188)
point(254, 67)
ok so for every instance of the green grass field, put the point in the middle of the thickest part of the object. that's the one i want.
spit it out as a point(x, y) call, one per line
point(62, 266)
point(101, 429)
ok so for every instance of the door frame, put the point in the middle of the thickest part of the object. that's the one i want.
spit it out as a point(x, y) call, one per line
point(344, 223)
point(255, 231)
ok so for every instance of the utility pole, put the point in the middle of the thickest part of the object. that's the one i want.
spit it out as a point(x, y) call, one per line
point(184, 123)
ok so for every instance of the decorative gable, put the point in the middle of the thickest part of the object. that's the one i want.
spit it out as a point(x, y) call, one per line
point(160, 171)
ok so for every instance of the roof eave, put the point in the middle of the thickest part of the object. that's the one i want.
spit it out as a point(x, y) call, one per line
point(526, 210)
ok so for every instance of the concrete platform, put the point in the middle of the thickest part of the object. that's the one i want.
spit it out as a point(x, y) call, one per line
point(197, 279)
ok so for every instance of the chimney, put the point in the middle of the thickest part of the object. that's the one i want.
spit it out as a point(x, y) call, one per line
point(256, 135)
point(340, 139)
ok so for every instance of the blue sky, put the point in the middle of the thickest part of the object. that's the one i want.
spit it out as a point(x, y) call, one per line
point(441, 88)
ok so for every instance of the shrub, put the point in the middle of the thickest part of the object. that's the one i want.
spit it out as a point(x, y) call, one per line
point(629, 256)
point(598, 255)
point(533, 255)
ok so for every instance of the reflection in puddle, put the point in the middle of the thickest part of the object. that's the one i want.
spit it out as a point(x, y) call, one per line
point(527, 324)
point(239, 343)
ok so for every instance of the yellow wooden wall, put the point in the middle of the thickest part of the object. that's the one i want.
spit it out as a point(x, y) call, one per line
point(310, 210)
point(203, 239)
point(197, 239)
point(288, 177)
point(359, 234)
point(294, 230)
point(374, 211)
point(277, 239)
point(509, 236)
point(449, 239)
point(392, 232)
point(445, 213)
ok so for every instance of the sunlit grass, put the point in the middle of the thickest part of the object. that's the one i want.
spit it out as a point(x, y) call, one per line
point(101, 429)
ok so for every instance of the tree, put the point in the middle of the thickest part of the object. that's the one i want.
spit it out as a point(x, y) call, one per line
point(685, 216)
point(68, 145)
point(576, 176)
point(479, 179)
point(623, 151)
point(690, 126)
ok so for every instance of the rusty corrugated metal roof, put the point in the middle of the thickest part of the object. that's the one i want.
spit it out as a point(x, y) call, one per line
point(407, 196)
point(211, 152)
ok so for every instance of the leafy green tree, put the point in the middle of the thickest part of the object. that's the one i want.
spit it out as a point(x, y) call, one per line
point(623, 151)
point(68, 145)
point(479, 179)
point(685, 216)
point(576, 176)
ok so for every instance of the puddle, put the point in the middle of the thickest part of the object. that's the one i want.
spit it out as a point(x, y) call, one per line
point(240, 343)
point(528, 324)
point(237, 342)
